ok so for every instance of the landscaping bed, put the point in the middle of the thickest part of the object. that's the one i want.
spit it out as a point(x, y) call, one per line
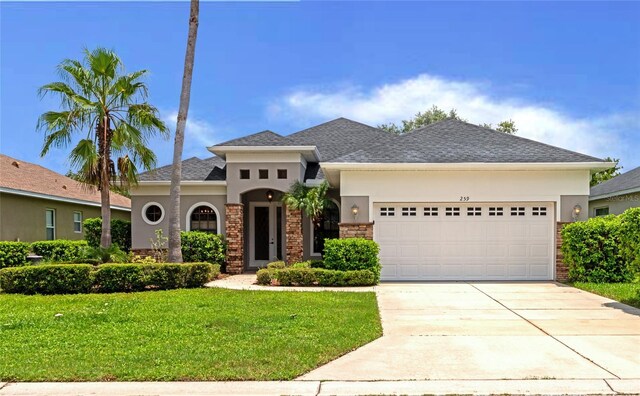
point(189, 334)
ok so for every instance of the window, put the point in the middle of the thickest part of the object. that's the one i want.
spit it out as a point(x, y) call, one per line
point(282, 173)
point(517, 211)
point(263, 173)
point(496, 211)
point(204, 218)
point(387, 212)
point(152, 213)
point(539, 211)
point(430, 211)
point(476, 211)
point(50, 224)
point(77, 221)
point(326, 227)
point(245, 174)
point(452, 211)
point(409, 211)
point(602, 211)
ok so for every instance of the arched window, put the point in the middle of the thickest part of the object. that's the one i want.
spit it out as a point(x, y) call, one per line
point(203, 218)
point(326, 227)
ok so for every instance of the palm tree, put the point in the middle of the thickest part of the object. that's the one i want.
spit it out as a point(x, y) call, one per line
point(108, 109)
point(175, 246)
point(310, 200)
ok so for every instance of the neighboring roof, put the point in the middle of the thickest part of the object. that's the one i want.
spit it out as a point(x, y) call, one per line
point(194, 168)
point(25, 177)
point(264, 138)
point(453, 141)
point(339, 137)
point(625, 183)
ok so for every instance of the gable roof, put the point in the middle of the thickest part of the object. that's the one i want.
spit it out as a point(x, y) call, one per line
point(194, 168)
point(625, 183)
point(264, 138)
point(20, 177)
point(454, 141)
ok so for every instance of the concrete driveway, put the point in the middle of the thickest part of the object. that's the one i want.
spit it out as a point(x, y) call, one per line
point(482, 330)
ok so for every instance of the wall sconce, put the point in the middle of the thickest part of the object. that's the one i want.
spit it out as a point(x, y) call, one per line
point(576, 212)
point(269, 195)
point(354, 210)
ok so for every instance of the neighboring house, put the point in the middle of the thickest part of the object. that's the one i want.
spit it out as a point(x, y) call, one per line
point(616, 195)
point(39, 204)
point(448, 201)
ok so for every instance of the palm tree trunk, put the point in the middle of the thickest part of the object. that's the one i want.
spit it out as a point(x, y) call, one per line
point(105, 198)
point(175, 248)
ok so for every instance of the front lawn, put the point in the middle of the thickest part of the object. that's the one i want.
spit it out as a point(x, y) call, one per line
point(626, 293)
point(196, 334)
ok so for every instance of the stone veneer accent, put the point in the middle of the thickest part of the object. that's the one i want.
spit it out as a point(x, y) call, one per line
point(562, 270)
point(356, 230)
point(294, 237)
point(234, 226)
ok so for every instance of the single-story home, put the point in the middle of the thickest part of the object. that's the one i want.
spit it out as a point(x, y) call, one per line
point(449, 201)
point(39, 204)
point(616, 195)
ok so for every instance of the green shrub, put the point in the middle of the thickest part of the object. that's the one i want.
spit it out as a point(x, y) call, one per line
point(352, 254)
point(201, 247)
point(591, 250)
point(59, 250)
point(120, 232)
point(99, 255)
point(264, 276)
point(303, 264)
point(276, 265)
point(323, 277)
point(630, 239)
point(47, 279)
point(13, 254)
point(110, 278)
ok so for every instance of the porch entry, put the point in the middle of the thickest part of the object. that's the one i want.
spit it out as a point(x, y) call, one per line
point(266, 233)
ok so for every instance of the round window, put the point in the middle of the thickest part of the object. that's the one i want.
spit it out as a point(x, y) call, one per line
point(152, 213)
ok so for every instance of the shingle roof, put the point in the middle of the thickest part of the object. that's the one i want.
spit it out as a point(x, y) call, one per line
point(453, 141)
point(25, 176)
point(627, 181)
point(194, 168)
point(264, 138)
point(339, 137)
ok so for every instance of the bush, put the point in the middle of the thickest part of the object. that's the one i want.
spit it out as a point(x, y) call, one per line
point(352, 254)
point(13, 254)
point(630, 239)
point(59, 250)
point(200, 247)
point(591, 250)
point(276, 265)
point(303, 264)
point(323, 277)
point(120, 232)
point(99, 255)
point(47, 279)
point(110, 278)
point(264, 276)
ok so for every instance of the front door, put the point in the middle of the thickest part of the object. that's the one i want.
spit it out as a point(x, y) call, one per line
point(266, 241)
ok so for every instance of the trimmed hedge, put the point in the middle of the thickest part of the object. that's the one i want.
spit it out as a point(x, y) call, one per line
point(630, 239)
point(276, 265)
point(264, 276)
point(200, 247)
point(120, 232)
point(323, 277)
point(352, 254)
point(59, 250)
point(47, 279)
point(13, 254)
point(107, 278)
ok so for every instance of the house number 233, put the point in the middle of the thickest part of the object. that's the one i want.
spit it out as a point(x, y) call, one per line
point(464, 199)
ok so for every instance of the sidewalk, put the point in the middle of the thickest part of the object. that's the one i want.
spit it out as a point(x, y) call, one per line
point(247, 282)
point(317, 388)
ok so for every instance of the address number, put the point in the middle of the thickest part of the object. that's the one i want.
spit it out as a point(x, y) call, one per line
point(464, 199)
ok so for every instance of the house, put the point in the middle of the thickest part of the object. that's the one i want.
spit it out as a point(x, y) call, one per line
point(447, 201)
point(39, 204)
point(616, 195)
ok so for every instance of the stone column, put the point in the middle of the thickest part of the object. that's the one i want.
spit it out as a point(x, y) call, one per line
point(562, 270)
point(293, 231)
point(234, 226)
point(356, 230)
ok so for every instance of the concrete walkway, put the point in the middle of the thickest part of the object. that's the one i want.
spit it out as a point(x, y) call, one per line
point(247, 282)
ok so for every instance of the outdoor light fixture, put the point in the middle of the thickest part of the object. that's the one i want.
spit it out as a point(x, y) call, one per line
point(576, 212)
point(354, 211)
point(269, 195)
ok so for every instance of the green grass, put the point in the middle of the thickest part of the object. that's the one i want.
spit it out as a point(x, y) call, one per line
point(626, 293)
point(197, 334)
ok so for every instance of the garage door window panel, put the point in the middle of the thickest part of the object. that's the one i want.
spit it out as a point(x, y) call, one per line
point(451, 211)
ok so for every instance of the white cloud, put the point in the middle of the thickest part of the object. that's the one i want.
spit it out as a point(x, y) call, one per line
point(607, 135)
point(199, 134)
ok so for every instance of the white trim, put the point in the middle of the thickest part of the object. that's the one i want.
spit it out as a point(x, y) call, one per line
point(312, 230)
point(614, 194)
point(600, 207)
point(311, 151)
point(74, 221)
point(467, 166)
point(207, 204)
point(273, 224)
point(184, 183)
point(53, 221)
point(56, 198)
point(144, 215)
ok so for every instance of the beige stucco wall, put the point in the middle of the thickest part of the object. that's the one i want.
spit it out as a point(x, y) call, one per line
point(568, 202)
point(237, 186)
point(617, 204)
point(23, 218)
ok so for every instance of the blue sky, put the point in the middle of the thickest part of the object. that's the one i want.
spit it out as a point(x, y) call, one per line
point(567, 73)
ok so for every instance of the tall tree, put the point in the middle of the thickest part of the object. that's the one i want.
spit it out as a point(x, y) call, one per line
point(606, 174)
point(108, 108)
point(175, 248)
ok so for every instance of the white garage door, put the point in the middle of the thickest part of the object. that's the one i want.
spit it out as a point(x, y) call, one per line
point(488, 241)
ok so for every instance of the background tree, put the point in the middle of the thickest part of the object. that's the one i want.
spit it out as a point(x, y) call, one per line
point(606, 174)
point(108, 108)
point(175, 245)
point(504, 126)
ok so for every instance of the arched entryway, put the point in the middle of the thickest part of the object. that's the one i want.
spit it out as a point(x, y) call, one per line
point(265, 232)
